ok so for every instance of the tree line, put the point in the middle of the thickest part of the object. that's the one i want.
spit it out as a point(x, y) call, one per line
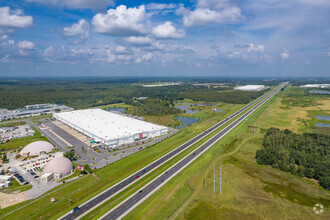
point(305, 155)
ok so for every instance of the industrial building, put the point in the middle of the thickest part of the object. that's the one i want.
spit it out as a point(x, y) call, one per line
point(37, 148)
point(31, 110)
point(109, 128)
point(56, 169)
point(255, 88)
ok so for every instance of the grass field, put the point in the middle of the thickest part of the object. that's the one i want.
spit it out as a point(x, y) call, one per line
point(84, 188)
point(12, 124)
point(250, 191)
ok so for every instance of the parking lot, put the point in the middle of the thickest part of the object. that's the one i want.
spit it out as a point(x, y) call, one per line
point(9, 133)
point(34, 165)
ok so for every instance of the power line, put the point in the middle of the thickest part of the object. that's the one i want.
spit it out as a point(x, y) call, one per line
point(220, 180)
point(214, 178)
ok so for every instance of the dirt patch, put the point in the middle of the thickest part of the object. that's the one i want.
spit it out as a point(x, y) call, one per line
point(11, 199)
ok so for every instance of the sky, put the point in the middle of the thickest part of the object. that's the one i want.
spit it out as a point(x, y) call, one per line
point(263, 38)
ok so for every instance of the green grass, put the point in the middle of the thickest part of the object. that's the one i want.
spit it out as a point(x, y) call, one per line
point(16, 187)
point(22, 142)
point(12, 124)
point(152, 209)
point(36, 119)
point(85, 188)
point(250, 191)
point(98, 212)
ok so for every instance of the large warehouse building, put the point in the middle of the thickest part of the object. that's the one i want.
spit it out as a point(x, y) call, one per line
point(109, 128)
point(251, 88)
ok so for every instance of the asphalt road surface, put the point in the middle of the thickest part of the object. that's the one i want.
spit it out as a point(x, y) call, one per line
point(119, 186)
point(122, 209)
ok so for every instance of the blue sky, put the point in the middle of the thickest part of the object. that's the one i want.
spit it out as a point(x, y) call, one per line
point(165, 38)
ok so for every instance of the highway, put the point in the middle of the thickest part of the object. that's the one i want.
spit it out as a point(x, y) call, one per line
point(115, 189)
point(130, 203)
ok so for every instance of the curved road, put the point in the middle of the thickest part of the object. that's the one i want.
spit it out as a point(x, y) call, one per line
point(113, 190)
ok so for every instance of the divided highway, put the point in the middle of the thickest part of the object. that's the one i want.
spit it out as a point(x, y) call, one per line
point(134, 200)
point(115, 189)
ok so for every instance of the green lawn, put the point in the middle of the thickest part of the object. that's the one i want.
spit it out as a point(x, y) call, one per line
point(12, 124)
point(250, 191)
point(16, 187)
point(87, 187)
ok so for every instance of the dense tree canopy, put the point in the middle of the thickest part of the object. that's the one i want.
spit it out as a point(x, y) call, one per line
point(305, 155)
point(234, 96)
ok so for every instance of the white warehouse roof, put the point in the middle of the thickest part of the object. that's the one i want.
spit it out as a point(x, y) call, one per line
point(105, 125)
point(251, 87)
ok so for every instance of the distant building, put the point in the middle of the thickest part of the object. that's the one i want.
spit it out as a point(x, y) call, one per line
point(31, 110)
point(251, 88)
point(316, 86)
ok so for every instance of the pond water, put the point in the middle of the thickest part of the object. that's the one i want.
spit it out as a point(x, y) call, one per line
point(117, 109)
point(323, 117)
point(322, 125)
point(185, 106)
point(319, 92)
point(186, 121)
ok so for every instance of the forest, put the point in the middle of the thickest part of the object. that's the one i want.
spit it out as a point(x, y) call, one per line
point(92, 92)
point(233, 96)
point(154, 107)
point(305, 155)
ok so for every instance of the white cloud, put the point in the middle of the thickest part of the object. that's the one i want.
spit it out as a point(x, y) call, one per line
point(156, 6)
point(121, 21)
point(212, 3)
point(139, 41)
point(168, 31)
point(259, 48)
point(4, 59)
point(145, 58)
point(95, 5)
point(200, 17)
point(111, 57)
point(285, 53)
point(14, 18)
point(26, 45)
point(210, 11)
point(81, 29)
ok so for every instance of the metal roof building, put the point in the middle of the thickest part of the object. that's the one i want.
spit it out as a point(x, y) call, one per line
point(109, 128)
point(251, 88)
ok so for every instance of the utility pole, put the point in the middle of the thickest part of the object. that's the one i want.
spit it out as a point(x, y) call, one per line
point(220, 180)
point(214, 178)
point(258, 128)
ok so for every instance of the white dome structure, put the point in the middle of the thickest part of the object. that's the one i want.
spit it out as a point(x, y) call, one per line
point(37, 148)
point(59, 166)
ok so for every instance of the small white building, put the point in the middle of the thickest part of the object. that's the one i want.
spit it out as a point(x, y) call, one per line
point(47, 177)
point(5, 178)
point(251, 88)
